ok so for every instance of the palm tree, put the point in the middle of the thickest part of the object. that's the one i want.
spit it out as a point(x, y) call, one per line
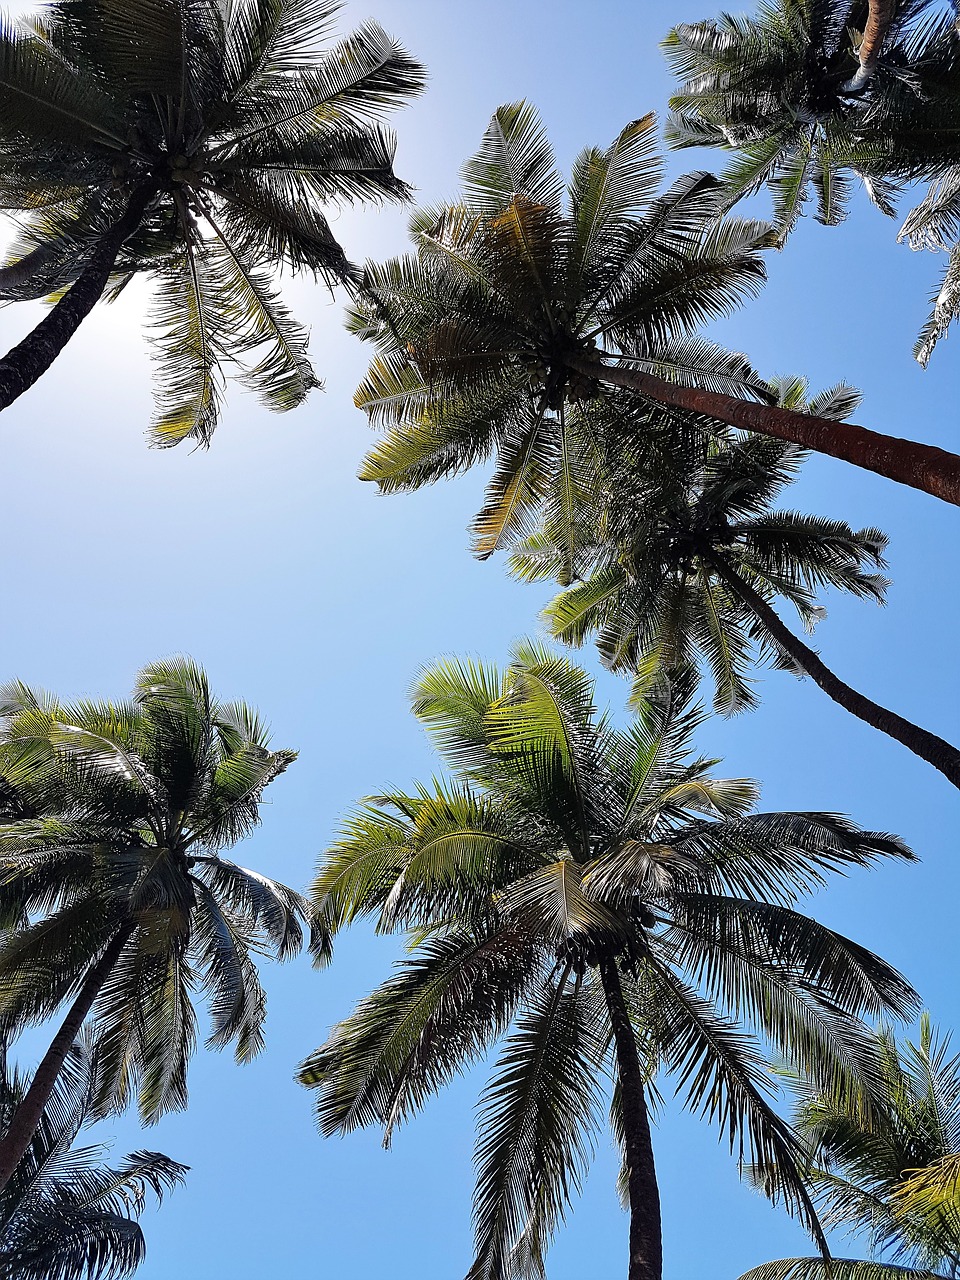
point(114, 892)
point(688, 569)
point(515, 309)
point(64, 1215)
point(774, 89)
point(601, 904)
point(194, 141)
point(866, 1177)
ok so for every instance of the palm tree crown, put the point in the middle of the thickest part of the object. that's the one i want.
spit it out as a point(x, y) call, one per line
point(115, 892)
point(521, 307)
point(774, 89)
point(651, 592)
point(64, 1215)
point(604, 906)
point(478, 329)
point(215, 133)
point(869, 1177)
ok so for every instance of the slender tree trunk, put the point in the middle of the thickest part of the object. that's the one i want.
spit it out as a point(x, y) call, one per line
point(878, 20)
point(25, 1119)
point(646, 1242)
point(936, 751)
point(19, 273)
point(922, 466)
point(30, 359)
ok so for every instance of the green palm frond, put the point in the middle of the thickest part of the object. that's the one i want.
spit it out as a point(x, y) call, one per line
point(537, 1120)
point(44, 962)
point(355, 81)
point(141, 47)
point(258, 330)
point(187, 351)
point(780, 856)
point(607, 186)
point(236, 999)
point(519, 486)
point(268, 906)
point(265, 38)
point(420, 1028)
point(43, 98)
point(837, 1269)
point(452, 699)
point(945, 309)
point(723, 1078)
point(555, 903)
point(515, 159)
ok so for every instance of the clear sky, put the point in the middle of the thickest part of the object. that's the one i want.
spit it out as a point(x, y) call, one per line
point(305, 593)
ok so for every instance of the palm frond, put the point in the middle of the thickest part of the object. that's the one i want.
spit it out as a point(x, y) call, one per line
point(515, 160)
point(538, 1117)
point(837, 1269)
point(423, 1026)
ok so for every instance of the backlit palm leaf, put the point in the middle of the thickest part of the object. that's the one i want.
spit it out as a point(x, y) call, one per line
point(219, 131)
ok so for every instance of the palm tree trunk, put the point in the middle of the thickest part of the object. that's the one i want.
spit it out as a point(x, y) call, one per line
point(878, 20)
point(646, 1240)
point(30, 359)
point(19, 273)
point(922, 466)
point(936, 751)
point(27, 1116)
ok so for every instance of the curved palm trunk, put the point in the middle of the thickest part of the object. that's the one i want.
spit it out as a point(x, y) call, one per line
point(30, 359)
point(921, 466)
point(27, 1116)
point(878, 20)
point(936, 751)
point(646, 1241)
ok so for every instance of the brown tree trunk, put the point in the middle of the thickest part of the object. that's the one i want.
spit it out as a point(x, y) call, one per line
point(30, 359)
point(922, 466)
point(879, 17)
point(936, 751)
point(646, 1240)
point(25, 1119)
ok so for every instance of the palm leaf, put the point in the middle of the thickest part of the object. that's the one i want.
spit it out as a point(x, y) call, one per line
point(538, 1117)
point(515, 160)
point(188, 354)
point(426, 1024)
point(837, 1269)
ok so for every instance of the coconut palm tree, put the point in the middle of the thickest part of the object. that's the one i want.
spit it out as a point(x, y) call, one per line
point(197, 142)
point(604, 907)
point(688, 569)
point(515, 308)
point(774, 89)
point(867, 1177)
point(64, 1215)
point(114, 892)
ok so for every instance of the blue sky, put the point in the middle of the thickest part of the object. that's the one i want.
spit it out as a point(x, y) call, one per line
point(305, 593)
